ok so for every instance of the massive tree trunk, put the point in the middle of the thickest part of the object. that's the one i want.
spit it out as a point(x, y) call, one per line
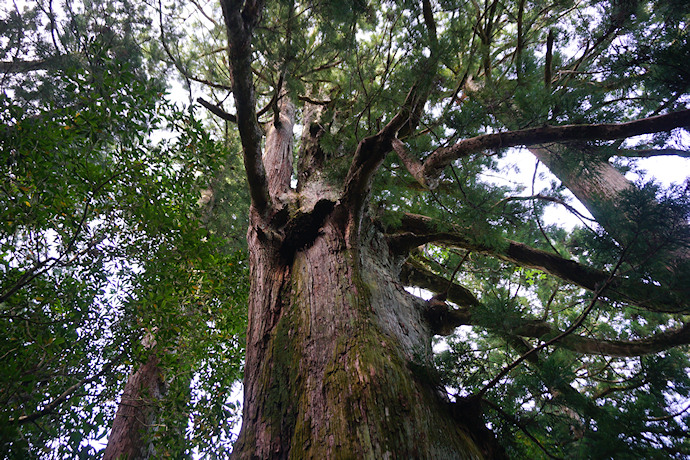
point(338, 355)
point(338, 361)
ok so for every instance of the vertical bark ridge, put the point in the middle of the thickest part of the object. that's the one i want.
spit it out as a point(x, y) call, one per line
point(136, 413)
point(277, 156)
point(336, 358)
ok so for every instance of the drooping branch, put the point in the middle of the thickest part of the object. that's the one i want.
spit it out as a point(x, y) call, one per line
point(442, 157)
point(65, 395)
point(447, 319)
point(239, 24)
point(415, 230)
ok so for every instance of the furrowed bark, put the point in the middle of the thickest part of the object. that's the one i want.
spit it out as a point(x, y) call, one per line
point(440, 158)
point(335, 352)
point(338, 360)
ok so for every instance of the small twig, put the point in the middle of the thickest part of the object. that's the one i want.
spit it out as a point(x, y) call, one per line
point(518, 424)
point(63, 397)
point(669, 416)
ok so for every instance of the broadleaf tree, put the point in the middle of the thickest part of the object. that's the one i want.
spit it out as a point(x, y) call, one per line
point(110, 263)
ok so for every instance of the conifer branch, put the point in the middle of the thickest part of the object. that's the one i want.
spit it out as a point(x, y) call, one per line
point(415, 230)
point(442, 157)
point(649, 153)
point(618, 348)
point(413, 166)
point(239, 25)
point(415, 274)
point(520, 425)
point(372, 150)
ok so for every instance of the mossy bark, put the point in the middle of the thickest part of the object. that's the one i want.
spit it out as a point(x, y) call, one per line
point(338, 357)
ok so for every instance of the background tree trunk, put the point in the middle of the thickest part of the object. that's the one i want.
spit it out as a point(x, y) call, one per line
point(136, 414)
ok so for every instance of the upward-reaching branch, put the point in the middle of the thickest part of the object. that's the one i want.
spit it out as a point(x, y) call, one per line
point(372, 150)
point(239, 24)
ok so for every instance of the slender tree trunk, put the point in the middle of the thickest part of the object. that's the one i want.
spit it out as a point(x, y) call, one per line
point(136, 414)
point(601, 188)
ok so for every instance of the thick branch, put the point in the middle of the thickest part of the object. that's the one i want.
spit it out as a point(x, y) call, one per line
point(415, 274)
point(278, 153)
point(653, 344)
point(442, 157)
point(217, 110)
point(415, 230)
point(22, 66)
point(413, 166)
point(239, 27)
point(372, 150)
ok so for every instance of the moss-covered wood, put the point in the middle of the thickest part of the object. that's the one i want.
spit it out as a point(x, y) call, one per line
point(337, 343)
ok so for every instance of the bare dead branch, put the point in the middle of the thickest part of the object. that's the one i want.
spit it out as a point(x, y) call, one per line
point(217, 110)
